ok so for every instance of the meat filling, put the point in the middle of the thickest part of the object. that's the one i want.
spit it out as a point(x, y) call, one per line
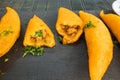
point(70, 30)
point(39, 35)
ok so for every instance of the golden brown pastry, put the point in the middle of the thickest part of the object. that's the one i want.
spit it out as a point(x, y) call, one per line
point(99, 45)
point(9, 30)
point(38, 34)
point(69, 26)
point(113, 22)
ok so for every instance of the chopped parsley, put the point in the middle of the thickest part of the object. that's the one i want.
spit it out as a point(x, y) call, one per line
point(6, 32)
point(89, 24)
point(60, 39)
point(33, 50)
point(38, 34)
point(40, 51)
point(6, 60)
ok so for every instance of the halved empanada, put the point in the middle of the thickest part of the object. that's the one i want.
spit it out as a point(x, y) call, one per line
point(69, 26)
point(38, 34)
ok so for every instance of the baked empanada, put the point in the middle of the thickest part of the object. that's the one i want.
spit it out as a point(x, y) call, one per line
point(38, 34)
point(69, 26)
point(99, 45)
point(113, 22)
point(9, 30)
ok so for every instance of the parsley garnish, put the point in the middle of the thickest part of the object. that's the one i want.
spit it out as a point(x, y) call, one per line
point(40, 51)
point(89, 24)
point(29, 49)
point(33, 50)
point(6, 32)
point(6, 60)
point(60, 39)
point(38, 34)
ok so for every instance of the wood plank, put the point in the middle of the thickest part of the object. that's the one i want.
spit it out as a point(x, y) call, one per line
point(28, 5)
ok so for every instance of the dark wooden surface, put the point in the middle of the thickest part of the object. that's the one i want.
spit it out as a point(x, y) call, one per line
point(48, 5)
point(63, 62)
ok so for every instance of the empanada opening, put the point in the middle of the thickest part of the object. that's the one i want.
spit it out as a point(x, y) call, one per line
point(40, 35)
point(70, 30)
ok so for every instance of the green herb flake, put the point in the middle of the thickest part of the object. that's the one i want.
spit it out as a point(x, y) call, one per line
point(29, 50)
point(33, 50)
point(40, 51)
point(38, 34)
point(60, 39)
point(6, 60)
point(89, 24)
point(6, 32)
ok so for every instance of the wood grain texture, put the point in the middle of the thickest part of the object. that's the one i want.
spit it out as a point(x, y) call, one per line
point(52, 5)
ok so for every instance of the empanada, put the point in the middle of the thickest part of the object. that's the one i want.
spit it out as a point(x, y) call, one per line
point(99, 45)
point(38, 34)
point(9, 30)
point(113, 22)
point(69, 26)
